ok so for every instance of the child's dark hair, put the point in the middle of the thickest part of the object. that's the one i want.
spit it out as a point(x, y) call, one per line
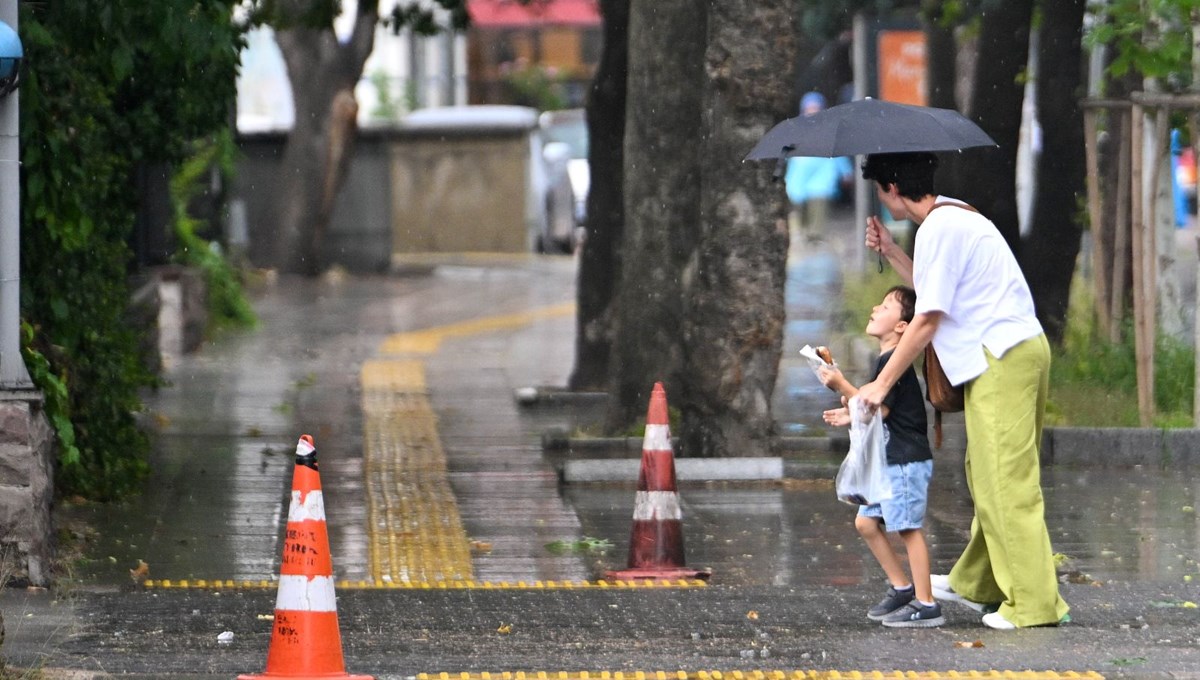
point(908, 301)
point(912, 172)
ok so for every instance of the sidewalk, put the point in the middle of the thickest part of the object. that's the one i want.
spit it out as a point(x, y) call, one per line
point(371, 367)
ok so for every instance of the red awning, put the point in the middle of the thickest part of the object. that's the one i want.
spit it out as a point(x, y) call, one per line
point(513, 14)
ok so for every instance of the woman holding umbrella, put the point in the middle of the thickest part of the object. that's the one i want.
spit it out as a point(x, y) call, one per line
point(974, 305)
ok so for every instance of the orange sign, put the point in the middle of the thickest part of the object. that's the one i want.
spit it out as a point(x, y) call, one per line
point(902, 67)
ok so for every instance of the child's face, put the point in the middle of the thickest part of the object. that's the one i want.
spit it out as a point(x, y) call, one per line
point(885, 317)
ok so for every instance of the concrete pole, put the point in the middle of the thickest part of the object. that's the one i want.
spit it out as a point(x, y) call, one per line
point(13, 374)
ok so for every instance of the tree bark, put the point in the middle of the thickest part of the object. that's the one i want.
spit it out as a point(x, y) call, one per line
point(733, 328)
point(323, 73)
point(599, 260)
point(988, 175)
point(941, 54)
point(662, 202)
point(1115, 210)
point(1052, 245)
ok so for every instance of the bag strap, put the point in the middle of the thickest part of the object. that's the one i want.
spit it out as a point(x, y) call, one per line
point(954, 204)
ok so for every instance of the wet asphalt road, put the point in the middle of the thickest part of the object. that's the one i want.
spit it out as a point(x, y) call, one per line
point(791, 578)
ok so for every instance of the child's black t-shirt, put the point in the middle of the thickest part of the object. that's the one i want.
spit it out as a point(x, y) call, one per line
point(907, 424)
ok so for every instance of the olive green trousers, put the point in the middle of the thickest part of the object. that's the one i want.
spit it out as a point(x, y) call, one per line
point(1008, 559)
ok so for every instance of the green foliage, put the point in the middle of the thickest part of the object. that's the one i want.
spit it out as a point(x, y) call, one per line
point(1093, 381)
point(227, 306)
point(1153, 37)
point(54, 391)
point(537, 86)
point(386, 107)
point(107, 86)
point(587, 545)
point(422, 18)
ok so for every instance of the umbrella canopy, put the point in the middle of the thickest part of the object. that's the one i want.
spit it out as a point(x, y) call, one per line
point(868, 126)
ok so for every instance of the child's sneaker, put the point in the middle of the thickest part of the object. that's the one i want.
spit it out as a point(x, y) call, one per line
point(915, 615)
point(893, 601)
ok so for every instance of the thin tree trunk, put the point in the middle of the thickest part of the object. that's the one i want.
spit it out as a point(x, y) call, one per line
point(733, 328)
point(662, 202)
point(989, 174)
point(599, 260)
point(1052, 245)
point(1115, 215)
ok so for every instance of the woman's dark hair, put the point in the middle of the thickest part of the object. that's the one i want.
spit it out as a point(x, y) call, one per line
point(908, 301)
point(911, 172)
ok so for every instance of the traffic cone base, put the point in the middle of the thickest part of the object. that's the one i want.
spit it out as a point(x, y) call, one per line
point(305, 641)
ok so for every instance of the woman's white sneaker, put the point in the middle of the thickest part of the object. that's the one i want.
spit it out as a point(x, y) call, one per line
point(994, 620)
point(940, 584)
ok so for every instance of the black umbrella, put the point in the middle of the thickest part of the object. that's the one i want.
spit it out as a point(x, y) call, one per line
point(868, 126)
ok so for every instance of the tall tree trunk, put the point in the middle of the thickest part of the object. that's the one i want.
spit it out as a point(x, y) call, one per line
point(662, 201)
point(941, 81)
point(989, 174)
point(599, 260)
point(1052, 246)
point(941, 55)
point(323, 73)
point(733, 328)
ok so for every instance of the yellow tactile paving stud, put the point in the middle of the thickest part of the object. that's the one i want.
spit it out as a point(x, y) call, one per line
point(414, 530)
point(766, 675)
point(463, 584)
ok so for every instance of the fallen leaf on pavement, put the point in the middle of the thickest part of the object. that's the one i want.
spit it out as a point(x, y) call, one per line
point(752, 615)
point(140, 573)
point(964, 644)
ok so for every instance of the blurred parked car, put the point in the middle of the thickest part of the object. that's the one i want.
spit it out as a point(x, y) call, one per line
point(565, 151)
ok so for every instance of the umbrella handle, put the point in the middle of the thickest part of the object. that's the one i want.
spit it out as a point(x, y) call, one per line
point(781, 164)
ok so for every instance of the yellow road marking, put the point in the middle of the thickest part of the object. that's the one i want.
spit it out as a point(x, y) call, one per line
point(766, 675)
point(428, 341)
point(380, 584)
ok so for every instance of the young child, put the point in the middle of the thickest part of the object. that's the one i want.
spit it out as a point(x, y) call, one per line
point(908, 604)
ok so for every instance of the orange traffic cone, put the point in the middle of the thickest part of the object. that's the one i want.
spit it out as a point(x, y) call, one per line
point(656, 541)
point(305, 642)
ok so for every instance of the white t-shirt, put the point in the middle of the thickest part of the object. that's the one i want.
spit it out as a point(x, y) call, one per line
point(963, 268)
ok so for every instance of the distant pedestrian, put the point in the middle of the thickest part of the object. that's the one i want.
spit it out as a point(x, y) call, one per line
point(974, 305)
point(813, 182)
point(909, 603)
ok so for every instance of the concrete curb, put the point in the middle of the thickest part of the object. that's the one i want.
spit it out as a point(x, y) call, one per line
point(686, 469)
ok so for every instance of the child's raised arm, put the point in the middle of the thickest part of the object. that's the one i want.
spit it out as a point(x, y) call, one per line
point(831, 377)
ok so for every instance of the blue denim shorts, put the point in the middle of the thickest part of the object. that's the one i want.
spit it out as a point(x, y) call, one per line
point(910, 492)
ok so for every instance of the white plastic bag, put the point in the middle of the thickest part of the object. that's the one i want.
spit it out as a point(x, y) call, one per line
point(862, 479)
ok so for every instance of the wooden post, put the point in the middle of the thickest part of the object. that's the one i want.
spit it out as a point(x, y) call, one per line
point(1141, 320)
point(1122, 227)
point(1101, 288)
